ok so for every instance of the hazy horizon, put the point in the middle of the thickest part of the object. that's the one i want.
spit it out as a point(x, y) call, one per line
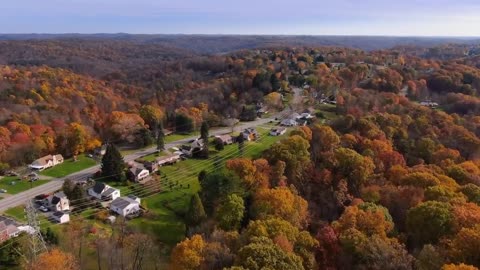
point(425, 18)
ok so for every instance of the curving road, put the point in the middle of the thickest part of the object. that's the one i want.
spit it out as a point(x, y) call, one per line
point(55, 184)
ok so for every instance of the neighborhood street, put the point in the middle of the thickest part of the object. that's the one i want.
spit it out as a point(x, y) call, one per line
point(55, 184)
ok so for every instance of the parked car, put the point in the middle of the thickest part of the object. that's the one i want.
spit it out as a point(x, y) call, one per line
point(43, 209)
point(3, 190)
point(41, 196)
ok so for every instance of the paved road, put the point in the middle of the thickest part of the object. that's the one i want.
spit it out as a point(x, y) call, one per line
point(55, 184)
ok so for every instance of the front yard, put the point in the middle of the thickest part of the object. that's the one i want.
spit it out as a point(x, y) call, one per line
point(69, 166)
point(15, 185)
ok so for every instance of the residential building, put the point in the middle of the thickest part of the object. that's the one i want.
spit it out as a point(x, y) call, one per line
point(125, 206)
point(61, 217)
point(278, 131)
point(196, 146)
point(167, 160)
point(8, 229)
point(225, 139)
point(137, 173)
point(103, 192)
point(151, 166)
point(46, 162)
point(59, 202)
point(430, 104)
point(289, 122)
point(250, 134)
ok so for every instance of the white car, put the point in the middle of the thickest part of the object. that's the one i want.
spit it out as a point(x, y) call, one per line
point(43, 209)
point(3, 190)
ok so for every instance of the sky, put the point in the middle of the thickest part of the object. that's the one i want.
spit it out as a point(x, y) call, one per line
point(280, 17)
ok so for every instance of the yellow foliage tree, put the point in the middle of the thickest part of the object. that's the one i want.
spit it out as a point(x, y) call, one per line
point(188, 254)
point(54, 259)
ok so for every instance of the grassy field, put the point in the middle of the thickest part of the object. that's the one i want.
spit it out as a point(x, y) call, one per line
point(19, 185)
point(69, 166)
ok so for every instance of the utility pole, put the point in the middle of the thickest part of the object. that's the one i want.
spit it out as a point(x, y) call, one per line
point(36, 242)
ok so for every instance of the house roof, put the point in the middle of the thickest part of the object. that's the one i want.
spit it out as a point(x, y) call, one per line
point(249, 131)
point(109, 191)
point(167, 157)
point(7, 225)
point(123, 202)
point(289, 122)
point(58, 196)
point(99, 187)
point(42, 161)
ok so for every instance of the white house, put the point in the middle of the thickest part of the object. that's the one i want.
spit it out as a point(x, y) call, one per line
point(125, 205)
point(104, 192)
point(61, 217)
point(278, 131)
point(59, 202)
point(137, 173)
point(46, 162)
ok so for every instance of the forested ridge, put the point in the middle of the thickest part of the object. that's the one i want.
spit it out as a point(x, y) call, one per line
point(391, 180)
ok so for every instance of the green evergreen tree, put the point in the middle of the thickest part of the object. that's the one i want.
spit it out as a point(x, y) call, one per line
point(160, 138)
point(112, 164)
point(183, 124)
point(204, 131)
point(204, 137)
point(196, 212)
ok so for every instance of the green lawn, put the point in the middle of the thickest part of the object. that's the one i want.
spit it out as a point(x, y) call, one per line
point(176, 137)
point(17, 213)
point(153, 156)
point(14, 185)
point(69, 166)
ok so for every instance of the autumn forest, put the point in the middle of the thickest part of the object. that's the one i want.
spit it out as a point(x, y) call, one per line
point(385, 176)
